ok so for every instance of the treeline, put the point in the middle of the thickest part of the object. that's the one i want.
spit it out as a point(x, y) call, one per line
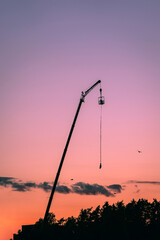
point(136, 220)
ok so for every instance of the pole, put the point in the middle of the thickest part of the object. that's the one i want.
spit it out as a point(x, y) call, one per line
point(62, 159)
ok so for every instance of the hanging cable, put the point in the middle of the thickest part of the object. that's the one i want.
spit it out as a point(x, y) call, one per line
point(100, 165)
point(101, 101)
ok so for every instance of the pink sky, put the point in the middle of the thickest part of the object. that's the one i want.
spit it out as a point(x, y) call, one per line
point(50, 52)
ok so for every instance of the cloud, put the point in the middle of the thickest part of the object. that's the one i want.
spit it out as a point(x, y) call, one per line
point(19, 187)
point(90, 189)
point(45, 186)
point(16, 185)
point(115, 187)
point(144, 182)
point(30, 184)
point(63, 189)
point(6, 181)
point(78, 188)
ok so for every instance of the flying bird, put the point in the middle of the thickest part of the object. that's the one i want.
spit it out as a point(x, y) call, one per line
point(139, 151)
point(71, 179)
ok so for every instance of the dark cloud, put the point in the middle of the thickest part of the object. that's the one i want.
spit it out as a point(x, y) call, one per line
point(30, 184)
point(45, 186)
point(12, 182)
point(78, 188)
point(63, 189)
point(20, 187)
point(115, 187)
point(5, 181)
point(90, 189)
point(144, 182)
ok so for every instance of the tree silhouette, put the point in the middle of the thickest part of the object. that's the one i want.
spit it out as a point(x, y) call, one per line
point(137, 220)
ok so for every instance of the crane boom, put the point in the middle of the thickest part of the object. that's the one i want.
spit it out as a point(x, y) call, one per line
point(83, 95)
point(86, 92)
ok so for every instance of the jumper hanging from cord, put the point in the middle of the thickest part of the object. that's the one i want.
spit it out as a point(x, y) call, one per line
point(101, 101)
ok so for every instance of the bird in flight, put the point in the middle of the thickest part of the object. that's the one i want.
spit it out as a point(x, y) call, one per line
point(71, 179)
point(139, 151)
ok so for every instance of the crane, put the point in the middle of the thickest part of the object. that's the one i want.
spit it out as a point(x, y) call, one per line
point(101, 101)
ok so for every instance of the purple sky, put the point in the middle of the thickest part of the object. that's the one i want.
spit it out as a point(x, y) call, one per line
point(50, 51)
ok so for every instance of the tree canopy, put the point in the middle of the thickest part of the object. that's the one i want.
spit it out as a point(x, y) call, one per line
point(136, 220)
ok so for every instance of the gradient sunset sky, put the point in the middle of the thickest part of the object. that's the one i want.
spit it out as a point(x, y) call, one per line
point(50, 51)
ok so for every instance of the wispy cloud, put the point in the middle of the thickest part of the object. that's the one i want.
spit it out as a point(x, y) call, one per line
point(81, 188)
point(136, 182)
point(144, 182)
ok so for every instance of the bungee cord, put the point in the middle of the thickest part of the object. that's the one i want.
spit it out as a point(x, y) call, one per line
point(100, 165)
point(101, 101)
